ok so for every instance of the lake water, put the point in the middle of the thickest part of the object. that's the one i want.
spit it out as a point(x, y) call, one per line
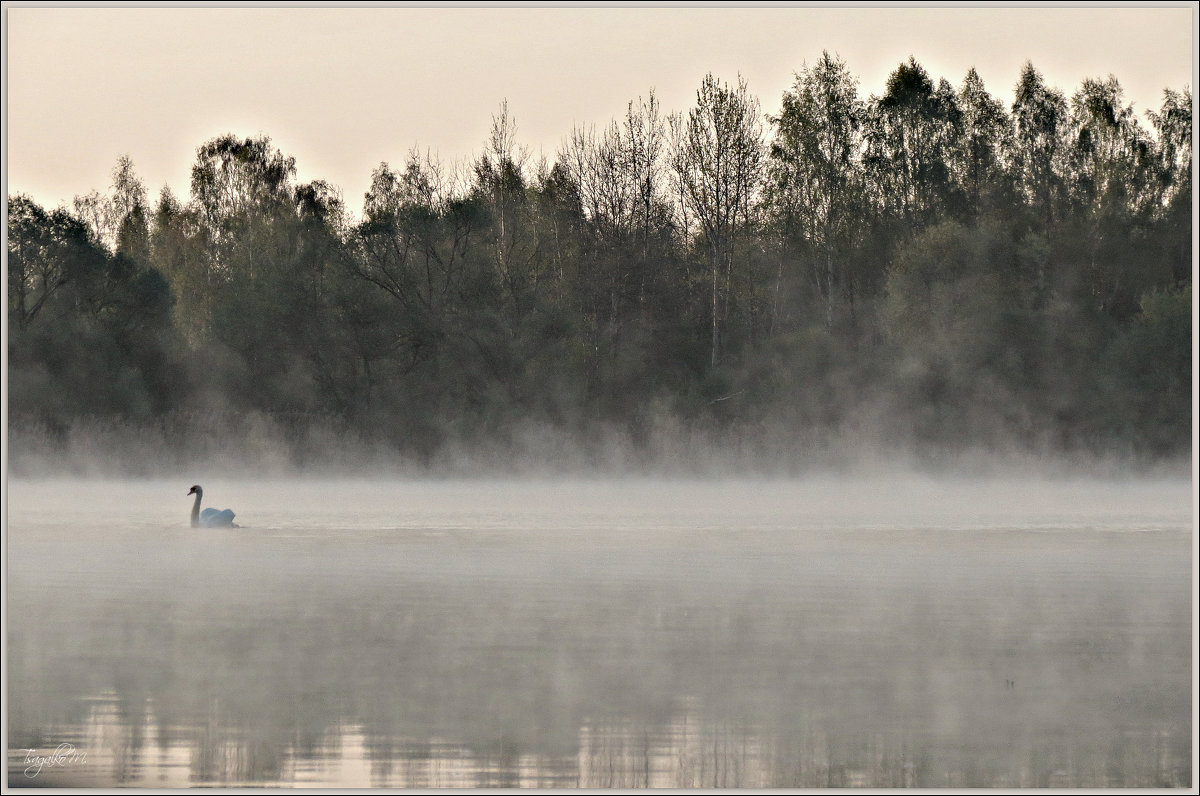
point(602, 634)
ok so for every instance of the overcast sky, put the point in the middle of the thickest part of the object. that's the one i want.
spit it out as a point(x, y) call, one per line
point(343, 89)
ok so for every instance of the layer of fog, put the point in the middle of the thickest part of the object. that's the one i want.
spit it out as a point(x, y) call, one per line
point(250, 444)
point(915, 631)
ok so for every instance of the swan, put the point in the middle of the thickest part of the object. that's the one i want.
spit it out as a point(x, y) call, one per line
point(209, 518)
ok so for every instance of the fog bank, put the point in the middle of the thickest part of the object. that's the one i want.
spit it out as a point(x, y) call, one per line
point(254, 444)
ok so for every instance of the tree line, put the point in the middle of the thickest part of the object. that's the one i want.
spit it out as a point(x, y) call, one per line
point(925, 270)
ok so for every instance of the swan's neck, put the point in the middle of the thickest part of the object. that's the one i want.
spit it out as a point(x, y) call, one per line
point(196, 510)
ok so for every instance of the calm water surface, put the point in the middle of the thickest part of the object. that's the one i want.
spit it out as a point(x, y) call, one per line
point(601, 634)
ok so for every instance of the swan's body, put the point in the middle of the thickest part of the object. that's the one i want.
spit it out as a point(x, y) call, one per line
point(209, 518)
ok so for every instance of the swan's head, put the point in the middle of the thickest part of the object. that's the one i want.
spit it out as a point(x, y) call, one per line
point(196, 490)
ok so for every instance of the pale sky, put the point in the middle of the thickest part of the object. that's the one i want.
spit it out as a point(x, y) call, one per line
point(343, 89)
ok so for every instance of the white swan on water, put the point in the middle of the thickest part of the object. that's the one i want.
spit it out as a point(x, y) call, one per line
point(209, 518)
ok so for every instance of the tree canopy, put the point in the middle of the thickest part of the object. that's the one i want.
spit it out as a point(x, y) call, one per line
point(928, 270)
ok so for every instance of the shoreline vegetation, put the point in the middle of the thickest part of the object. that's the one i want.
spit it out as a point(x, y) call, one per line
point(930, 277)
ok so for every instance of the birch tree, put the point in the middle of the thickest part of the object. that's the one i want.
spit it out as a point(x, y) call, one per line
point(816, 172)
point(717, 159)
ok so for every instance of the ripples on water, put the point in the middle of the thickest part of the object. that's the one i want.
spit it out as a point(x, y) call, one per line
point(602, 635)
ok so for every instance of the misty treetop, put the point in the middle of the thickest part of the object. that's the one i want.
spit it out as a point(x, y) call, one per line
point(926, 270)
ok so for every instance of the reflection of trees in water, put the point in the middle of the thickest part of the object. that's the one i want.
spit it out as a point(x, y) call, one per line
point(295, 674)
point(692, 751)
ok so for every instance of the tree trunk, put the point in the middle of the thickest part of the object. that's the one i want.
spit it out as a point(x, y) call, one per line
point(716, 329)
point(828, 287)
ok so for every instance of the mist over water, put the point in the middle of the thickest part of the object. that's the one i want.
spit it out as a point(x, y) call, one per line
point(603, 633)
point(256, 446)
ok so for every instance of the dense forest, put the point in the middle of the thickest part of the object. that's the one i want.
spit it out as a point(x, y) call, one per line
point(918, 274)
